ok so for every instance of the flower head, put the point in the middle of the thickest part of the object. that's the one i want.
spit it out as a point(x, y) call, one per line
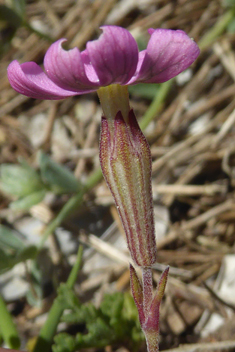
point(112, 59)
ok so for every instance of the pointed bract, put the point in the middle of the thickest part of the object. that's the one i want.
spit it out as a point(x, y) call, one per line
point(137, 293)
point(152, 320)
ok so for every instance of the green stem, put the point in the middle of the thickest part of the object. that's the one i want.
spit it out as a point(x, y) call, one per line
point(47, 333)
point(147, 279)
point(75, 269)
point(156, 104)
point(216, 30)
point(7, 327)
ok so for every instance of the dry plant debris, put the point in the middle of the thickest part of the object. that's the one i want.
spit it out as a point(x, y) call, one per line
point(193, 149)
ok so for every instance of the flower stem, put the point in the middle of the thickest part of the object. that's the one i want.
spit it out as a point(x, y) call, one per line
point(147, 277)
point(48, 330)
point(114, 98)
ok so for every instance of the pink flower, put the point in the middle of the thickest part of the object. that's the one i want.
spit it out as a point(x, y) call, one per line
point(112, 59)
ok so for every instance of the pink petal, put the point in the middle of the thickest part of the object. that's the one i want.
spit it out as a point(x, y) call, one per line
point(30, 80)
point(168, 53)
point(114, 55)
point(66, 68)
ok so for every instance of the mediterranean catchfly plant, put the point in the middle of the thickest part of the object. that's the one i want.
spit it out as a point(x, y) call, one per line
point(108, 65)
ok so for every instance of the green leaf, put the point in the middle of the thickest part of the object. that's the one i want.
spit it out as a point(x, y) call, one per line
point(13, 250)
point(59, 178)
point(105, 325)
point(112, 305)
point(100, 335)
point(228, 3)
point(35, 294)
point(144, 90)
point(7, 261)
point(19, 6)
point(129, 311)
point(29, 252)
point(64, 343)
point(28, 201)
point(8, 15)
point(10, 239)
point(67, 297)
point(231, 27)
point(8, 329)
point(19, 180)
